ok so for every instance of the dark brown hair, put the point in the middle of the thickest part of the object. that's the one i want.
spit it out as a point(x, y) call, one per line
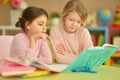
point(29, 14)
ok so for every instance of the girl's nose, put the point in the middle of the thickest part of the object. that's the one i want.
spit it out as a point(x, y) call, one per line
point(74, 23)
point(44, 28)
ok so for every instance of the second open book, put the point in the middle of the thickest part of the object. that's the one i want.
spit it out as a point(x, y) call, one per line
point(88, 59)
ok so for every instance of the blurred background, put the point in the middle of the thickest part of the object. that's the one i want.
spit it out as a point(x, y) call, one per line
point(53, 6)
point(103, 19)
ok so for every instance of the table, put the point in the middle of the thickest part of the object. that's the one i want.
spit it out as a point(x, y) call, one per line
point(103, 73)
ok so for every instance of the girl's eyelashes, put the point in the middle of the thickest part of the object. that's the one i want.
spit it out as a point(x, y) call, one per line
point(43, 23)
point(71, 19)
point(79, 22)
point(40, 24)
point(74, 20)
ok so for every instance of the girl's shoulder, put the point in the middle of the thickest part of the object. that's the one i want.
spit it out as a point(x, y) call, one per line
point(24, 36)
point(83, 29)
point(20, 36)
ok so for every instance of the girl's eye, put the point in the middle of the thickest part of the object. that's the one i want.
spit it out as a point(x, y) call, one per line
point(40, 24)
point(71, 19)
point(78, 22)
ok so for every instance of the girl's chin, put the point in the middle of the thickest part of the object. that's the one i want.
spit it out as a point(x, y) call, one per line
point(72, 31)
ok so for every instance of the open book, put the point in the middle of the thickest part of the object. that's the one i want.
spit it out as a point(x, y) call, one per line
point(40, 65)
point(87, 60)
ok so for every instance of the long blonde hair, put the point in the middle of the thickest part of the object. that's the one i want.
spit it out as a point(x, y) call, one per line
point(74, 5)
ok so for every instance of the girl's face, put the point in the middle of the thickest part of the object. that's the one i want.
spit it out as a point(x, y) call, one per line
point(72, 22)
point(38, 25)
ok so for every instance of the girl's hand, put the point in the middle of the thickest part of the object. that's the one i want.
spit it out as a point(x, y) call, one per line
point(36, 36)
point(60, 49)
point(40, 35)
point(43, 36)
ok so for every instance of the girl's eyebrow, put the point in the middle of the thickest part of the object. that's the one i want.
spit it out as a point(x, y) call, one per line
point(42, 22)
point(76, 19)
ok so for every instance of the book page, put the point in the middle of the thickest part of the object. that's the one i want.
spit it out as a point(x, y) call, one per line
point(52, 67)
point(109, 45)
point(18, 61)
point(57, 67)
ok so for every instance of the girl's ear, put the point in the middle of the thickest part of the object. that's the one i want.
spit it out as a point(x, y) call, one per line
point(63, 18)
point(27, 24)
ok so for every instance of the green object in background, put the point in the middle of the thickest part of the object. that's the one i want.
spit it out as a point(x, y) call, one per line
point(48, 29)
point(54, 14)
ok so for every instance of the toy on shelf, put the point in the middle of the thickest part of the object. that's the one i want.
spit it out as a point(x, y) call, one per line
point(104, 15)
point(116, 22)
point(116, 40)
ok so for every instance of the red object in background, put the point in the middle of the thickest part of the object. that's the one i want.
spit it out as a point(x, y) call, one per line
point(15, 4)
point(113, 31)
point(118, 8)
point(116, 25)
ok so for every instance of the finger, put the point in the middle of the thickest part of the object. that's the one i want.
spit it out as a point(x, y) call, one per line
point(60, 52)
point(59, 48)
point(44, 36)
point(63, 48)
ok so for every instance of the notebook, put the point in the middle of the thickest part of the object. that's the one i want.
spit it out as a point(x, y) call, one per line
point(86, 61)
point(13, 70)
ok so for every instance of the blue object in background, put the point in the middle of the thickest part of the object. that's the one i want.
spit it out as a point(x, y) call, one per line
point(104, 15)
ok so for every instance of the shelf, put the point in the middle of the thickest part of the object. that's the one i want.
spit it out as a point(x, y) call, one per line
point(99, 30)
point(116, 55)
point(109, 33)
point(113, 31)
point(9, 30)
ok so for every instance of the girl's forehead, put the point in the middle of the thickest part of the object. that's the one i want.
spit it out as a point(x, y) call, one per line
point(40, 18)
point(73, 14)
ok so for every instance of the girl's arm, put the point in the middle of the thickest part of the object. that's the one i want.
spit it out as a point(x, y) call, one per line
point(86, 40)
point(67, 57)
point(20, 49)
point(45, 55)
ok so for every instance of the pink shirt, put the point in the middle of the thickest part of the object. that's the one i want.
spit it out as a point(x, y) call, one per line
point(20, 49)
point(73, 45)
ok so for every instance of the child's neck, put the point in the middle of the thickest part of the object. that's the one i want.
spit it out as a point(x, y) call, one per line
point(28, 35)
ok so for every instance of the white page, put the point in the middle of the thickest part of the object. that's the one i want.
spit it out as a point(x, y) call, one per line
point(58, 67)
